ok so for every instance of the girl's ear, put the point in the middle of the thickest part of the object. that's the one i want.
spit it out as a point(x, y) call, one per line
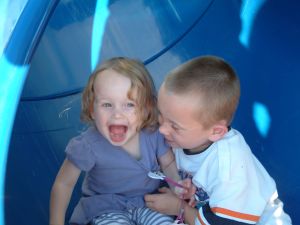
point(218, 131)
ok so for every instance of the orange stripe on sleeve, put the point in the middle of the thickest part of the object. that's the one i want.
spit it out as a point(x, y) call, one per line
point(235, 214)
point(199, 218)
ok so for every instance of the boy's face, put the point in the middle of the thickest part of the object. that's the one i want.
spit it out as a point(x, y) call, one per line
point(178, 122)
point(114, 114)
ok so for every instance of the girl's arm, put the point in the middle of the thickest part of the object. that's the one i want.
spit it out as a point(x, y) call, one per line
point(168, 165)
point(62, 191)
point(169, 168)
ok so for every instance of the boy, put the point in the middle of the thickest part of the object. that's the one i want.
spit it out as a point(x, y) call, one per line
point(197, 102)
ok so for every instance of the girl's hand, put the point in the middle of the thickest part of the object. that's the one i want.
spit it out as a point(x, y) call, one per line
point(166, 202)
point(188, 191)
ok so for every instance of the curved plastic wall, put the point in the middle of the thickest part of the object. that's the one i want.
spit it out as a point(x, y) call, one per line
point(261, 40)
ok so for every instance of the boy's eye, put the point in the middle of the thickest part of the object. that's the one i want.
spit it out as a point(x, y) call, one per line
point(176, 128)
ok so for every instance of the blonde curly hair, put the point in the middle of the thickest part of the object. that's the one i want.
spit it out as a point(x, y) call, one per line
point(141, 82)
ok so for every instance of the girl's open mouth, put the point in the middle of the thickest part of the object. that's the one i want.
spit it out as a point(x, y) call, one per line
point(117, 133)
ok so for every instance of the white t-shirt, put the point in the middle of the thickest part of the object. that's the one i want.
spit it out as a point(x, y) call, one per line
point(237, 185)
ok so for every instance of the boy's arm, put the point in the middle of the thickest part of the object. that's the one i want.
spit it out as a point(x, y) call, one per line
point(168, 165)
point(61, 192)
point(205, 213)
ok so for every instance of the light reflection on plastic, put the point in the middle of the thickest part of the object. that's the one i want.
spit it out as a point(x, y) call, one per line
point(261, 118)
point(248, 12)
point(101, 15)
point(11, 82)
point(9, 14)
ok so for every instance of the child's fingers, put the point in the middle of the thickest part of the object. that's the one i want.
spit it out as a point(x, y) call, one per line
point(193, 189)
point(187, 183)
point(192, 201)
point(180, 191)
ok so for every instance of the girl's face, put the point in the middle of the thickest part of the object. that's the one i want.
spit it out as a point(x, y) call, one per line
point(114, 114)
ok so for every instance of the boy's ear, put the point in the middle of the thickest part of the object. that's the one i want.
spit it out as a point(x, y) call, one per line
point(218, 131)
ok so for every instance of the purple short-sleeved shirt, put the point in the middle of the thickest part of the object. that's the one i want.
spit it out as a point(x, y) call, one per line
point(114, 180)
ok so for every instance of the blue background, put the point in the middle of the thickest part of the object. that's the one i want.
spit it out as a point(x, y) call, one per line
point(58, 41)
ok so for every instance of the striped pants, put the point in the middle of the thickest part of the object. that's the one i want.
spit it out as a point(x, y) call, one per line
point(138, 216)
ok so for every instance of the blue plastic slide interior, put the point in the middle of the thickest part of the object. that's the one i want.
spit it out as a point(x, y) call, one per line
point(49, 47)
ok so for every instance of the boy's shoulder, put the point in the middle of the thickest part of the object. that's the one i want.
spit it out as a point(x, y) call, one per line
point(233, 139)
point(232, 146)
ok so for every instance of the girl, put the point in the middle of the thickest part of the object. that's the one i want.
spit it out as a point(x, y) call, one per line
point(116, 152)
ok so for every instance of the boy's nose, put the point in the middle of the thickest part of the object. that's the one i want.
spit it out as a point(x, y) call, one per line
point(163, 128)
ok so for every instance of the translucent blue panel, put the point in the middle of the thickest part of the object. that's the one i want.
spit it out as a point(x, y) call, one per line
point(139, 29)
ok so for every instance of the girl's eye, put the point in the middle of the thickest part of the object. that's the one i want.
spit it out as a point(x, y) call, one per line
point(130, 105)
point(106, 105)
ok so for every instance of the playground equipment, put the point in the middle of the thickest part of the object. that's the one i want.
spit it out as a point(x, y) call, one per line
point(48, 49)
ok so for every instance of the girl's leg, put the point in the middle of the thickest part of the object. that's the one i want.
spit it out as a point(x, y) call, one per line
point(146, 216)
point(113, 218)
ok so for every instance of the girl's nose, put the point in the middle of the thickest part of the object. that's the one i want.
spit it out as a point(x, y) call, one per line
point(117, 112)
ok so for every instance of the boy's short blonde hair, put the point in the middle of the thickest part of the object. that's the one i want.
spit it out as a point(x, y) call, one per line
point(211, 81)
point(141, 82)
